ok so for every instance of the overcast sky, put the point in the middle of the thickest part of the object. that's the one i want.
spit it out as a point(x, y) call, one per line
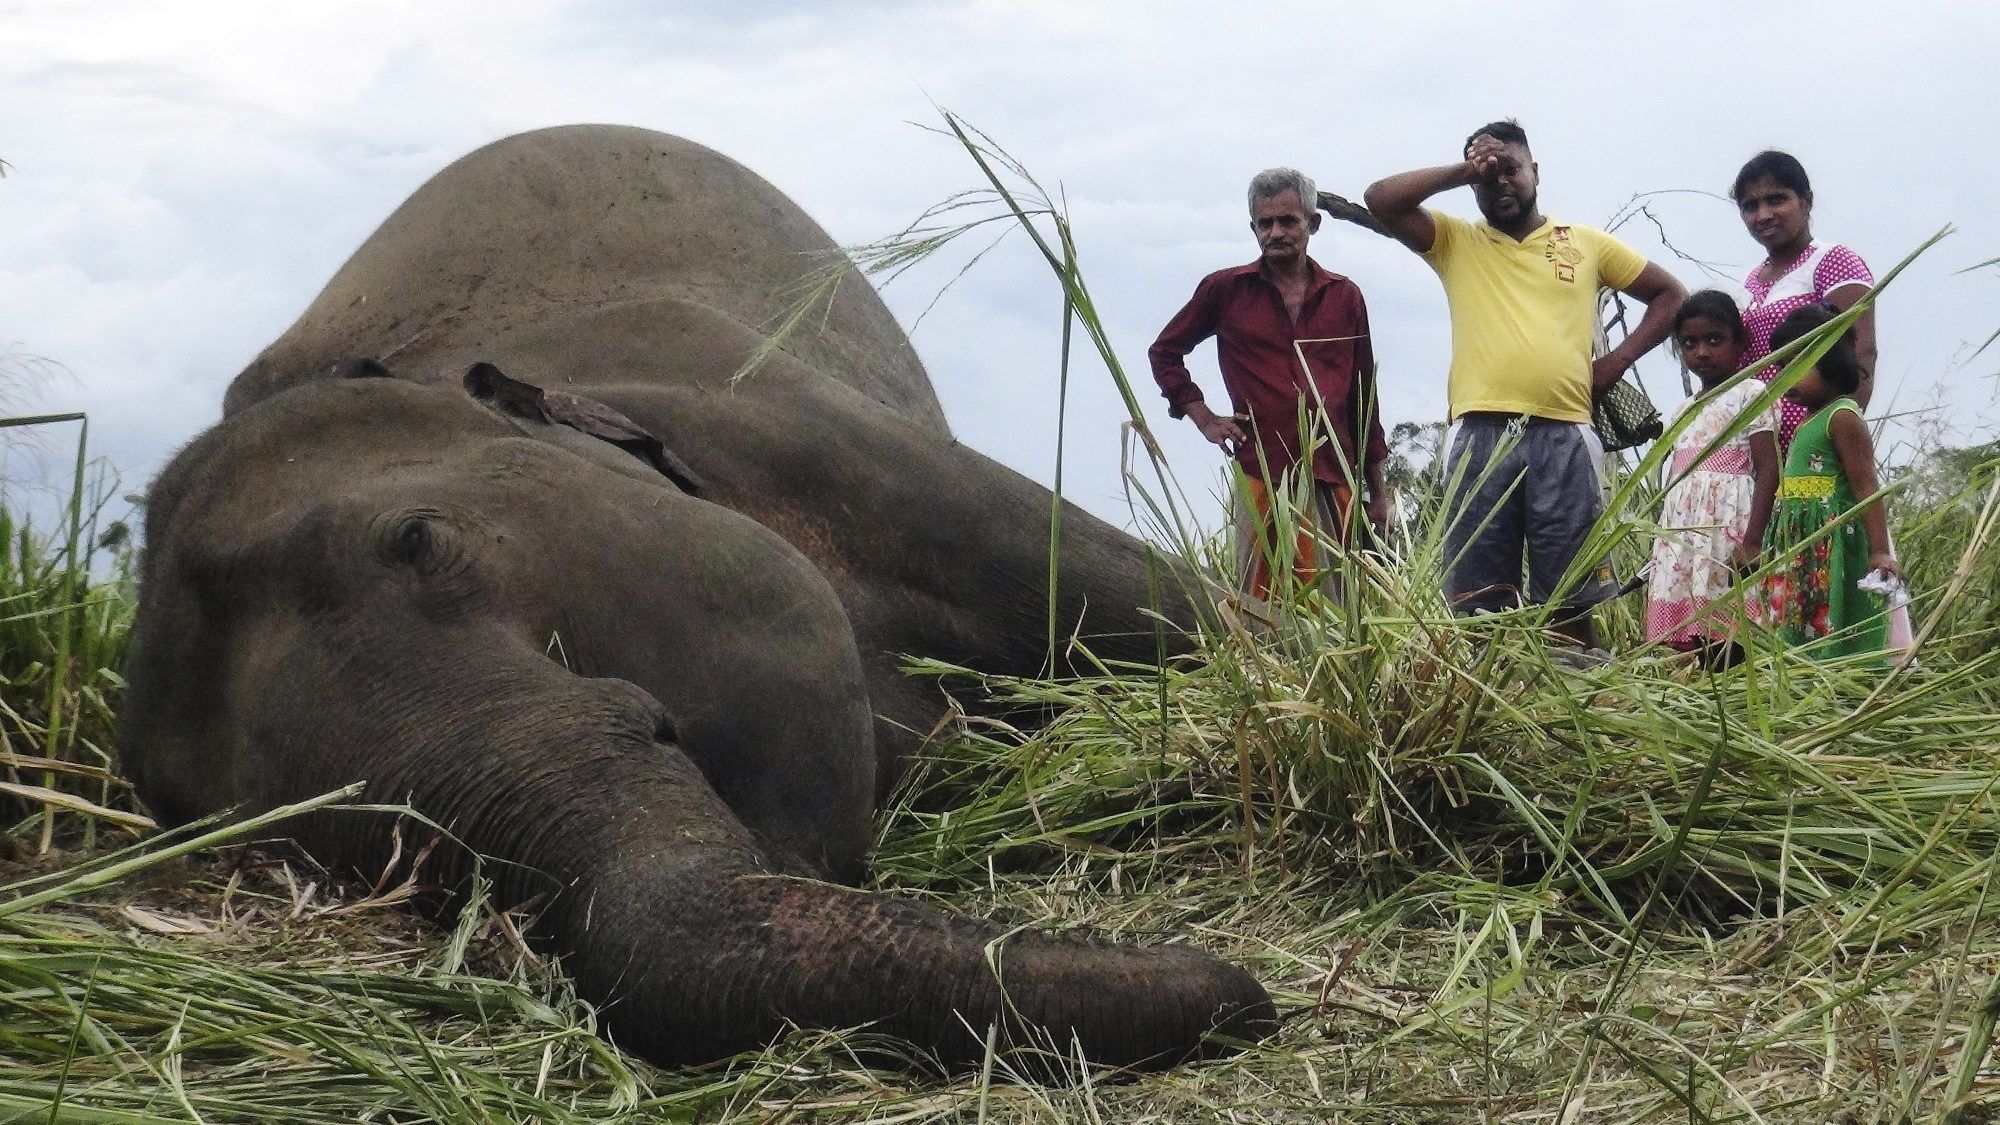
point(182, 178)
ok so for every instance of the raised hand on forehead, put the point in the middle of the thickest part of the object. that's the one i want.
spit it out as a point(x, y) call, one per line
point(1488, 157)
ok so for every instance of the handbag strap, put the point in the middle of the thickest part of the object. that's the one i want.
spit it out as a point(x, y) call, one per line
point(1609, 297)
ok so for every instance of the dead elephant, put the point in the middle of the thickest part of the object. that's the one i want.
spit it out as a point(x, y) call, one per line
point(627, 627)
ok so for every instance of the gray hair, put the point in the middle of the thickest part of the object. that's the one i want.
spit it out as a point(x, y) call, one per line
point(1273, 182)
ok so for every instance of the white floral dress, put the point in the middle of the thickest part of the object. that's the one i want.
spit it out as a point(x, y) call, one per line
point(1702, 520)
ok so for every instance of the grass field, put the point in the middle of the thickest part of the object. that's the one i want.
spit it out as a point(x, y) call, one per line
point(1483, 885)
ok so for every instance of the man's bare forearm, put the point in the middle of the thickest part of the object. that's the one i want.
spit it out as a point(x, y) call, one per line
point(1405, 192)
point(1398, 202)
point(1652, 327)
point(1663, 295)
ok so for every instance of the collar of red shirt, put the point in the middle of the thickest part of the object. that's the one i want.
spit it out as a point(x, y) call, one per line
point(1320, 274)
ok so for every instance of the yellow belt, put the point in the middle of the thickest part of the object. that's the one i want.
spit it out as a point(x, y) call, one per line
point(1805, 488)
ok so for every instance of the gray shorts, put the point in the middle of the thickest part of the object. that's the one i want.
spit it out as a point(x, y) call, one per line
point(1537, 498)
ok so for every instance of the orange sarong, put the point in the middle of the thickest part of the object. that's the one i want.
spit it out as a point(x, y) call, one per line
point(1333, 504)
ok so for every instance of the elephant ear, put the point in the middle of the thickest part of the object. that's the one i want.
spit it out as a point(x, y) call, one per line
point(512, 396)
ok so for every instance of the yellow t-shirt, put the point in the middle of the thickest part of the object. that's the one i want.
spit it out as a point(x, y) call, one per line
point(1523, 314)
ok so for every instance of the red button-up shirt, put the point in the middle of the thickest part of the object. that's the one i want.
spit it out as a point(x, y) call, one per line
point(1260, 350)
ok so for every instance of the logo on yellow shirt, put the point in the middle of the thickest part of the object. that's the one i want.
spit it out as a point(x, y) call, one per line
point(1562, 252)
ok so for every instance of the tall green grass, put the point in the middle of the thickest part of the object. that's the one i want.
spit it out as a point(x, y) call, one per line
point(1442, 762)
point(1483, 884)
point(66, 605)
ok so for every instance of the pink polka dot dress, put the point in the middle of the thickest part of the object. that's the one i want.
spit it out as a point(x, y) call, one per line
point(1824, 269)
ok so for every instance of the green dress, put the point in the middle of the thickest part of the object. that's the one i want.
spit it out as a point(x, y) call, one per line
point(1810, 599)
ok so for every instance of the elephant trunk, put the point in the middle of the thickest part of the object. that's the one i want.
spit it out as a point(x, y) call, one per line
point(738, 956)
point(671, 916)
point(676, 922)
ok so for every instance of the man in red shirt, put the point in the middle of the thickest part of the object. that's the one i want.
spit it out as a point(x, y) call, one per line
point(1292, 341)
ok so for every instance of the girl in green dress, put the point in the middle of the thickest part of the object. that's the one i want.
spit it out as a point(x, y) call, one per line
point(1811, 599)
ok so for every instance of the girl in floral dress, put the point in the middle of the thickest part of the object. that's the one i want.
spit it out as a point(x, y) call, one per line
point(1713, 518)
point(1811, 599)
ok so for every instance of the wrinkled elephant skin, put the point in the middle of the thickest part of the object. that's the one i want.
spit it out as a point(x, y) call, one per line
point(548, 577)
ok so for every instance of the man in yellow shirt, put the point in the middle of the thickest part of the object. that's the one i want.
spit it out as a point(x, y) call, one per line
point(1523, 294)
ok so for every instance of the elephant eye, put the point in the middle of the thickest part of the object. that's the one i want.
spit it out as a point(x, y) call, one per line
point(413, 539)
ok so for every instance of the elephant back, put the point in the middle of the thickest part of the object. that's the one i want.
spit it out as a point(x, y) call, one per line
point(563, 226)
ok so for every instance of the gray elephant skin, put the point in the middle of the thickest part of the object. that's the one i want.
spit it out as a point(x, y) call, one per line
point(665, 703)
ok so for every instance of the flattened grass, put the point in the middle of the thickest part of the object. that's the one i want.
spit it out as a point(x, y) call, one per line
point(1637, 888)
point(1480, 884)
point(245, 992)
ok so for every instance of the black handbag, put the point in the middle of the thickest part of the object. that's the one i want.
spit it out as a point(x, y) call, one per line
point(1625, 416)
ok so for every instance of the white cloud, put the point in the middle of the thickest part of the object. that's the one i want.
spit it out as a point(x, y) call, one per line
point(186, 176)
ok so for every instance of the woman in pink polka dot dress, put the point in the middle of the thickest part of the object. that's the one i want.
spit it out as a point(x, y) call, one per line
point(1775, 199)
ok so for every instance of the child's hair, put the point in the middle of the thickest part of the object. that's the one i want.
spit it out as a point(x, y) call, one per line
point(1840, 367)
point(1715, 305)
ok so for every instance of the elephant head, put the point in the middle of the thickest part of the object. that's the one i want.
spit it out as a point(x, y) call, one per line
point(628, 631)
